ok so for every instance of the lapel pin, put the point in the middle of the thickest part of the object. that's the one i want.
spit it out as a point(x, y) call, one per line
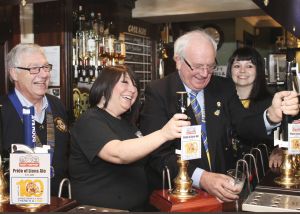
point(217, 112)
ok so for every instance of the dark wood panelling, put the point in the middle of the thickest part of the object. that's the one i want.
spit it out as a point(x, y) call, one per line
point(51, 29)
point(9, 37)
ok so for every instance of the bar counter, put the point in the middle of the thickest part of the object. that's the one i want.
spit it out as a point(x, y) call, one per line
point(204, 202)
point(56, 205)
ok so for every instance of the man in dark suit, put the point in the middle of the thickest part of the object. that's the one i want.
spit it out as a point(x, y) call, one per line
point(194, 54)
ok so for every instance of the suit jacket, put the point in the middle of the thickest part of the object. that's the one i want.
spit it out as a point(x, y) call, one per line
point(13, 134)
point(245, 145)
point(223, 111)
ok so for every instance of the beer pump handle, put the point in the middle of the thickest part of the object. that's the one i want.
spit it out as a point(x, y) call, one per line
point(289, 87)
point(181, 101)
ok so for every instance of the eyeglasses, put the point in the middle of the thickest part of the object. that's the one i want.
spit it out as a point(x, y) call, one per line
point(37, 69)
point(210, 68)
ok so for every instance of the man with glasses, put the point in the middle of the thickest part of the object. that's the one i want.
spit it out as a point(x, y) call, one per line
point(30, 71)
point(214, 105)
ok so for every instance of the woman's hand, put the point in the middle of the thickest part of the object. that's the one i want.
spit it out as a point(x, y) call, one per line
point(173, 128)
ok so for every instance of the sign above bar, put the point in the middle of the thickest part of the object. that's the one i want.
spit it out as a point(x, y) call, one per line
point(137, 30)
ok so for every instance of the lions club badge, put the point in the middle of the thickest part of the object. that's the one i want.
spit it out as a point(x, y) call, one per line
point(60, 125)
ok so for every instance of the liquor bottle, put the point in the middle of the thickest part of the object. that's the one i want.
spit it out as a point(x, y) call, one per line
point(123, 48)
point(170, 34)
point(80, 36)
point(91, 37)
point(74, 61)
point(75, 73)
point(109, 41)
point(92, 71)
point(84, 74)
point(98, 71)
point(79, 69)
point(99, 25)
point(117, 50)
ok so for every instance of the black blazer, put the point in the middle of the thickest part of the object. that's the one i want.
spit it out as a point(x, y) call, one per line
point(223, 111)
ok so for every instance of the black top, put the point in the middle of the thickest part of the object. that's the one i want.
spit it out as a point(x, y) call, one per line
point(13, 134)
point(95, 181)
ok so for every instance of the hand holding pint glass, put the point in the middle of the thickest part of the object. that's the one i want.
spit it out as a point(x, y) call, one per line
point(238, 179)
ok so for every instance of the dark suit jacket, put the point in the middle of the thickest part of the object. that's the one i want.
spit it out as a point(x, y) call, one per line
point(223, 111)
point(244, 145)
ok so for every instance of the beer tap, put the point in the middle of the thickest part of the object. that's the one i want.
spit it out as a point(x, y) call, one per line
point(289, 87)
point(183, 183)
point(287, 169)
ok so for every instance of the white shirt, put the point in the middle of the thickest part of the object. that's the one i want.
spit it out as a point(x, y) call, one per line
point(39, 117)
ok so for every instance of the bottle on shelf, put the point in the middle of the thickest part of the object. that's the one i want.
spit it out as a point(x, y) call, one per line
point(170, 33)
point(91, 39)
point(99, 25)
point(80, 37)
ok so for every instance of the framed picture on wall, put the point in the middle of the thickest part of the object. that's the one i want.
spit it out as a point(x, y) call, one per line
point(277, 69)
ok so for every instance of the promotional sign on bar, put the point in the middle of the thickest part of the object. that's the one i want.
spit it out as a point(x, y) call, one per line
point(191, 142)
point(29, 178)
point(294, 139)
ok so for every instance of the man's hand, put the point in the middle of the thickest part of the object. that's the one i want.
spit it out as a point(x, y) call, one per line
point(219, 185)
point(275, 158)
point(283, 102)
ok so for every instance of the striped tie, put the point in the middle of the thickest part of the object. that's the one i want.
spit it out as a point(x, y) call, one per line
point(201, 121)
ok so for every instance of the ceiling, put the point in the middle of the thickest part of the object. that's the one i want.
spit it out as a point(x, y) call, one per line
point(160, 11)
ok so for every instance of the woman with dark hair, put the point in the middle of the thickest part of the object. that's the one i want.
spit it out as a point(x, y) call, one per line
point(247, 70)
point(106, 166)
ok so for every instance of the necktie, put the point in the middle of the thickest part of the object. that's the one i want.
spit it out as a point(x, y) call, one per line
point(201, 121)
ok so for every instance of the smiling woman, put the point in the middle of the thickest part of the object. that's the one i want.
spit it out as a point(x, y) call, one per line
point(246, 68)
point(106, 163)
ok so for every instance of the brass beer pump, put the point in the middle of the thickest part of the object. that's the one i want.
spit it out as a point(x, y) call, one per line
point(287, 168)
point(3, 185)
point(296, 160)
point(183, 183)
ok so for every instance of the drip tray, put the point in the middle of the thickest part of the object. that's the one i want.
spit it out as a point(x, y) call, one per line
point(89, 209)
point(271, 202)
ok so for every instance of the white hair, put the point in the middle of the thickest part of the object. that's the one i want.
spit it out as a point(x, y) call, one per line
point(183, 41)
